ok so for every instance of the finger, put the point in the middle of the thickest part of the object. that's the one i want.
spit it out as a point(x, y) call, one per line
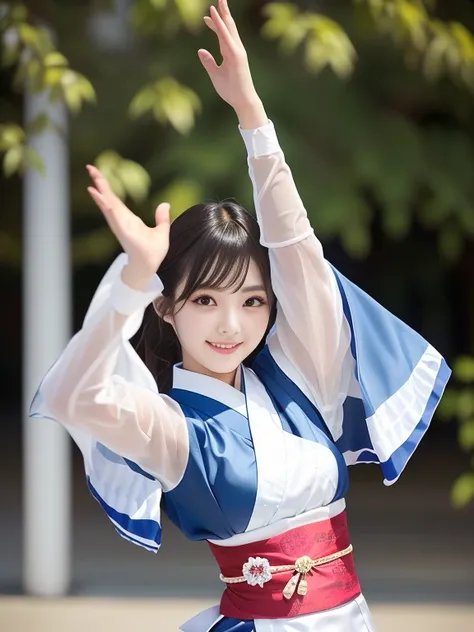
point(100, 181)
point(94, 173)
point(111, 203)
point(111, 206)
point(208, 61)
point(225, 38)
point(162, 214)
point(229, 20)
point(98, 199)
point(209, 23)
point(104, 207)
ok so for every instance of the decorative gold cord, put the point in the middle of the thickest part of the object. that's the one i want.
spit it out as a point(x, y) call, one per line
point(302, 566)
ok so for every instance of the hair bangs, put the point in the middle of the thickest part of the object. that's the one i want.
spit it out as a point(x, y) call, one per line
point(220, 261)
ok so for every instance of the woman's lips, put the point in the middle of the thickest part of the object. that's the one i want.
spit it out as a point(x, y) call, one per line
point(225, 350)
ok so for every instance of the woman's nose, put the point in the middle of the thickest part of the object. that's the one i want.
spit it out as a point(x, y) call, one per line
point(229, 325)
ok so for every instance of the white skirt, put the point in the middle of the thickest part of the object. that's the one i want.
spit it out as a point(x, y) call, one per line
point(353, 616)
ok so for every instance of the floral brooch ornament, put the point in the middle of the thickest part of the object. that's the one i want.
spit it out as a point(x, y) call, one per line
point(257, 571)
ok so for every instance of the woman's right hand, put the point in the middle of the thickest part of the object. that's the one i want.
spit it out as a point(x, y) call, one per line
point(145, 246)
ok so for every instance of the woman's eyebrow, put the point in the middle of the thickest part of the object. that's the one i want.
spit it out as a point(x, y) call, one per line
point(253, 288)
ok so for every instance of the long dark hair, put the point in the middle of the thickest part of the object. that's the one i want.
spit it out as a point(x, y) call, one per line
point(211, 245)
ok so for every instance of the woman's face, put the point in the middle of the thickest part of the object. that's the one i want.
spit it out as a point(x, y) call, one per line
point(218, 329)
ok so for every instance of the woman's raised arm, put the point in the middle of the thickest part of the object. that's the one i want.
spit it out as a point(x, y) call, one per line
point(99, 384)
point(311, 328)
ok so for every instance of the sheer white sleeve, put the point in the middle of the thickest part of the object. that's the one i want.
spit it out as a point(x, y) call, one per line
point(100, 385)
point(311, 330)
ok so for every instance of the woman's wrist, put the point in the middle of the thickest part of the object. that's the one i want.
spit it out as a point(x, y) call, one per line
point(136, 278)
point(252, 114)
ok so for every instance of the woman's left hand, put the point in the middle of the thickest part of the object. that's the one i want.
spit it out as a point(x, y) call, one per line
point(232, 79)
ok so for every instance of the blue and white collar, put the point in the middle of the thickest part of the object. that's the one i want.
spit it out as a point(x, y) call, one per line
point(209, 387)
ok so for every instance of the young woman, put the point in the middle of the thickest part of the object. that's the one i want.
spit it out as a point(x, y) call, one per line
point(264, 374)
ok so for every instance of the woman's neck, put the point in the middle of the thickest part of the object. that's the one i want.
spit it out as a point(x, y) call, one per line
point(233, 378)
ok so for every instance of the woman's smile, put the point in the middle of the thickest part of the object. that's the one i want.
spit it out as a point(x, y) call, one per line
point(223, 348)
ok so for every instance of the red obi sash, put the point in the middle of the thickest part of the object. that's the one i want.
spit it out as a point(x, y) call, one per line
point(327, 586)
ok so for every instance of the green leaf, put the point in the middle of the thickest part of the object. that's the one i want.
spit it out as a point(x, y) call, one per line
point(11, 135)
point(465, 404)
point(13, 160)
point(448, 406)
point(34, 160)
point(170, 102)
point(53, 76)
point(86, 89)
point(433, 63)
point(36, 38)
point(465, 40)
point(293, 36)
point(466, 435)
point(135, 179)
point(108, 161)
point(179, 111)
point(463, 491)
point(316, 55)
point(464, 369)
point(55, 58)
point(329, 45)
point(117, 185)
point(280, 17)
point(143, 102)
point(125, 176)
point(191, 12)
point(76, 89)
point(72, 96)
point(29, 35)
point(39, 124)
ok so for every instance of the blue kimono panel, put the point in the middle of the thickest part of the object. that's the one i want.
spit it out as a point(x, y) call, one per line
point(401, 379)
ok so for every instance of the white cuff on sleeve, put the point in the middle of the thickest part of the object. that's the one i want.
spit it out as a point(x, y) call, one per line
point(262, 141)
point(125, 300)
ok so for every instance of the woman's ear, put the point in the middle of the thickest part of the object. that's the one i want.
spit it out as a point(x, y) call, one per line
point(159, 305)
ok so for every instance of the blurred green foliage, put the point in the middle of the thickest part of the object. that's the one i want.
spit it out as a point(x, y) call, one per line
point(168, 101)
point(363, 156)
point(373, 100)
point(458, 403)
point(326, 43)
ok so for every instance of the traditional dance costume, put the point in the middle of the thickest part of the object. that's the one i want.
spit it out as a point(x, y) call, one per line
point(261, 472)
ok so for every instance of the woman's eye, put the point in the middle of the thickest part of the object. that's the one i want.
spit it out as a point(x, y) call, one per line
point(255, 301)
point(203, 300)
